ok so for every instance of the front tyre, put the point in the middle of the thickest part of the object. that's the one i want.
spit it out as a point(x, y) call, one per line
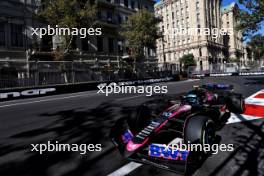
point(199, 130)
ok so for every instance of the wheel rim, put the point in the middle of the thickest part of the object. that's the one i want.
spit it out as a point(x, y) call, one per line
point(209, 134)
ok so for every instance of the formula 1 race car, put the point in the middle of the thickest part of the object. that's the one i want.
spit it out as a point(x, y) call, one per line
point(147, 138)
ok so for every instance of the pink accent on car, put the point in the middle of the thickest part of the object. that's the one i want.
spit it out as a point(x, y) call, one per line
point(132, 147)
point(180, 110)
point(209, 96)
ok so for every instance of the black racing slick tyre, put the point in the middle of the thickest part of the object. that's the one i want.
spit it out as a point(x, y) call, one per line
point(236, 104)
point(199, 130)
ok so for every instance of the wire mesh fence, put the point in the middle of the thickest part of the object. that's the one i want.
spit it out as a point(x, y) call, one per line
point(245, 67)
point(15, 73)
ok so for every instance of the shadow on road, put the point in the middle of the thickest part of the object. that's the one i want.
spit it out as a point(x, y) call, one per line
point(248, 157)
point(75, 126)
point(71, 126)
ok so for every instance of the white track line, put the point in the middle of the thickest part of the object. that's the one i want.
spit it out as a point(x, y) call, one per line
point(126, 169)
point(241, 118)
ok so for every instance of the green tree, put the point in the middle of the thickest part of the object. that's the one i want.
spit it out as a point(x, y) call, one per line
point(187, 61)
point(251, 18)
point(68, 13)
point(140, 30)
point(257, 46)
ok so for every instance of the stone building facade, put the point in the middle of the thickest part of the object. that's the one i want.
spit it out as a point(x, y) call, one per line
point(17, 19)
point(204, 21)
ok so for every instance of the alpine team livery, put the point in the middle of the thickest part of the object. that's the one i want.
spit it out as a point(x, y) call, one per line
point(193, 119)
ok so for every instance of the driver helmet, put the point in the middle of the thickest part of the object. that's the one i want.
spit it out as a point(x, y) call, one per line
point(192, 98)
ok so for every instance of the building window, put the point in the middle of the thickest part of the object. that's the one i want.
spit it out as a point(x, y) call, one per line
point(126, 3)
point(198, 17)
point(119, 47)
point(197, 5)
point(17, 35)
point(111, 45)
point(199, 28)
point(109, 16)
point(133, 4)
point(2, 34)
point(139, 5)
point(99, 15)
point(100, 44)
point(119, 19)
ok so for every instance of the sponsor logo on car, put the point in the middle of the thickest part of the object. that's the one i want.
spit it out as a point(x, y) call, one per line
point(167, 152)
point(127, 136)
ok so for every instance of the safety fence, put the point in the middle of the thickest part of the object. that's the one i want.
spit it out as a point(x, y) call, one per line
point(15, 73)
point(225, 69)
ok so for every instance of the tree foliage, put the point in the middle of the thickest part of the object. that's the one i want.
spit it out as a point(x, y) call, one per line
point(251, 18)
point(140, 30)
point(257, 46)
point(68, 14)
point(187, 61)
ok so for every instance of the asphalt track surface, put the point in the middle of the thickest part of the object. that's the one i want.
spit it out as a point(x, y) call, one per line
point(87, 117)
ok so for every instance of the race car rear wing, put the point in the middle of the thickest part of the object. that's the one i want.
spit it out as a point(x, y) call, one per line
point(224, 87)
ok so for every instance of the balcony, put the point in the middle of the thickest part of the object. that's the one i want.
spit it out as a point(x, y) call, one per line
point(111, 23)
point(106, 3)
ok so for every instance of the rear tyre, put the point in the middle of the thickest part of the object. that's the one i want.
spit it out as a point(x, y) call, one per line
point(236, 104)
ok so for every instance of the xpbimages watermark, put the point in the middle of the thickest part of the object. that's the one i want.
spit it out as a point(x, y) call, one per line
point(214, 32)
point(114, 88)
point(58, 147)
point(62, 31)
